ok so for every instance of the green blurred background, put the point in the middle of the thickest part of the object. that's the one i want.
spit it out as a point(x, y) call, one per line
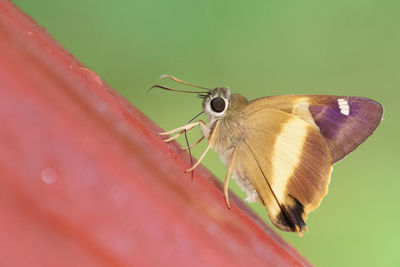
point(259, 48)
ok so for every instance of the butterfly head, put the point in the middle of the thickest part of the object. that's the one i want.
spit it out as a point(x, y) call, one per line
point(219, 103)
point(216, 102)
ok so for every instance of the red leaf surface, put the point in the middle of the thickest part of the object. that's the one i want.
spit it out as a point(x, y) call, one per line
point(84, 180)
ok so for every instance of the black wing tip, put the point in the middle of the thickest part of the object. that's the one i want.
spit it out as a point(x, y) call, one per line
point(291, 217)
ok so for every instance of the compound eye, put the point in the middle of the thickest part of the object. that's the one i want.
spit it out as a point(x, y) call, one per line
point(217, 104)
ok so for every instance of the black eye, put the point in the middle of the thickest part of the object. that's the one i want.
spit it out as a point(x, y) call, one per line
point(217, 104)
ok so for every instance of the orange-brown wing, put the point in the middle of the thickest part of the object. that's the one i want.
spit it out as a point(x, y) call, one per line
point(344, 121)
point(288, 163)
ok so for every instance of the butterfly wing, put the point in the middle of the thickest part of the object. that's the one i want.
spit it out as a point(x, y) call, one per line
point(287, 161)
point(345, 122)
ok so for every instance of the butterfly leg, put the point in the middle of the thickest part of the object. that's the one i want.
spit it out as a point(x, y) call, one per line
point(227, 177)
point(200, 159)
point(192, 146)
point(211, 142)
point(180, 130)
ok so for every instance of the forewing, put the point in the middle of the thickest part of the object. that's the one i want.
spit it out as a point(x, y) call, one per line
point(345, 122)
point(287, 161)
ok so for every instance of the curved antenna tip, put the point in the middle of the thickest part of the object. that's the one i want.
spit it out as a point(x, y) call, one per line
point(181, 82)
point(170, 89)
point(151, 87)
point(165, 76)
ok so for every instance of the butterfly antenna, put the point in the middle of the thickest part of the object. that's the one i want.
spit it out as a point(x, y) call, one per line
point(182, 82)
point(174, 90)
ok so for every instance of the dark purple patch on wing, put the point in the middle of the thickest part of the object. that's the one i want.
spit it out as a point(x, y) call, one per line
point(345, 132)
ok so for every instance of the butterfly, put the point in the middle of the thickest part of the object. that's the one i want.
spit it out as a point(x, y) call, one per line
point(281, 149)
